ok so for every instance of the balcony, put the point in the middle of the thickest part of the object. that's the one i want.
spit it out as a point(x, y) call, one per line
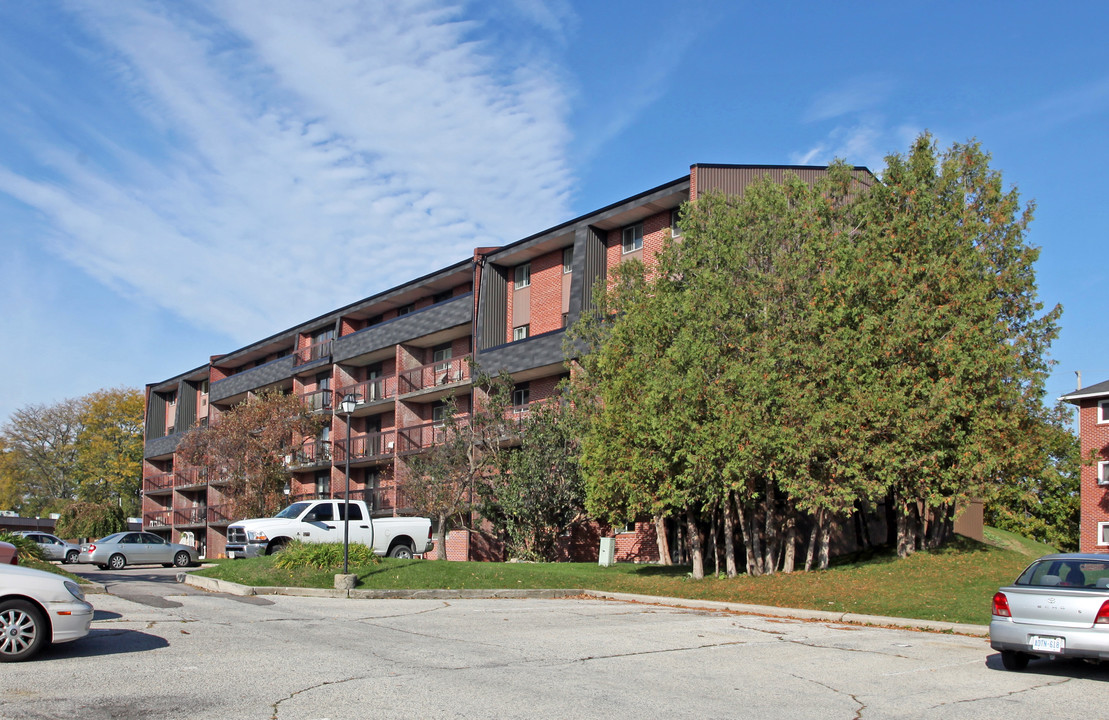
point(371, 446)
point(375, 392)
point(313, 454)
point(162, 482)
point(190, 516)
point(219, 514)
point(437, 377)
point(158, 518)
point(190, 477)
point(311, 353)
point(318, 400)
point(420, 437)
point(382, 501)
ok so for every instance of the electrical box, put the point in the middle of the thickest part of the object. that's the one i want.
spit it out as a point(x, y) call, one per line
point(608, 552)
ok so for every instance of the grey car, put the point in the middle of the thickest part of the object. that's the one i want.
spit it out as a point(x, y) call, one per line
point(53, 547)
point(1058, 607)
point(118, 550)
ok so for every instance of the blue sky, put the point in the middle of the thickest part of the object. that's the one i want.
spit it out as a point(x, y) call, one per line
point(180, 179)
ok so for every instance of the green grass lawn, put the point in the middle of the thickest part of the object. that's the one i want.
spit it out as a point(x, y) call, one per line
point(953, 584)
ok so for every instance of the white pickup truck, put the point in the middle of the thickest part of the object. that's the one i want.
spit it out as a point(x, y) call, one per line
point(322, 521)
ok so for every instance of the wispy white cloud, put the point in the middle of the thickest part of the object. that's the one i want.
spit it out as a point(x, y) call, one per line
point(289, 157)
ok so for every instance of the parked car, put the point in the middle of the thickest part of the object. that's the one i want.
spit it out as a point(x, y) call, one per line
point(121, 549)
point(38, 608)
point(53, 547)
point(9, 554)
point(1058, 607)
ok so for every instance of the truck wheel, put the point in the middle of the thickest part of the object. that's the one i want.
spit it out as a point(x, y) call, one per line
point(1013, 660)
point(276, 546)
point(401, 552)
point(23, 630)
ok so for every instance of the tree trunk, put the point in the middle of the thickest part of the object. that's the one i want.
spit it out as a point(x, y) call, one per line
point(695, 550)
point(810, 551)
point(788, 555)
point(772, 540)
point(441, 539)
point(756, 542)
point(663, 541)
point(906, 529)
point(825, 537)
point(748, 545)
point(729, 535)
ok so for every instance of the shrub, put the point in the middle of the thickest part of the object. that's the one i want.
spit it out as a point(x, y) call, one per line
point(27, 548)
point(323, 556)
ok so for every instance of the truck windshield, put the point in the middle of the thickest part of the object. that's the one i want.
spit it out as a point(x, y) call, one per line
point(293, 510)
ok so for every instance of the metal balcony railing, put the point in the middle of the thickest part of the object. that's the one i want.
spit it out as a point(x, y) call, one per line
point(370, 446)
point(190, 476)
point(158, 518)
point(318, 399)
point(313, 352)
point(190, 516)
point(161, 481)
point(444, 372)
point(219, 514)
point(368, 391)
point(420, 437)
point(312, 453)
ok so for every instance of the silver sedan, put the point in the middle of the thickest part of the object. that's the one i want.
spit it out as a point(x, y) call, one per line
point(36, 609)
point(121, 549)
point(1058, 607)
point(53, 547)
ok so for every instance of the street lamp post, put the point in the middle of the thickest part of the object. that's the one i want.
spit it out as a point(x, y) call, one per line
point(346, 407)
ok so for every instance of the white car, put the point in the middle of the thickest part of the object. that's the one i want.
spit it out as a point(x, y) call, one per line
point(38, 608)
point(53, 547)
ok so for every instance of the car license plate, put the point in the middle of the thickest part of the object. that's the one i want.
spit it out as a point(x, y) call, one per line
point(1046, 643)
point(231, 554)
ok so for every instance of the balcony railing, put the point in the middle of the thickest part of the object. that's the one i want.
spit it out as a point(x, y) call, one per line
point(312, 453)
point(190, 516)
point(313, 352)
point(219, 514)
point(370, 446)
point(299, 497)
point(317, 399)
point(444, 372)
point(161, 481)
point(381, 500)
point(190, 476)
point(368, 391)
point(420, 437)
point(158, 518)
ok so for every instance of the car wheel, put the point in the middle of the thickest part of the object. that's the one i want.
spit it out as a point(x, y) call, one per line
point(401, 552)
point(1013, 660)
point(117, 562)
point(22, 630)
point(71, 557)
point(181, 559)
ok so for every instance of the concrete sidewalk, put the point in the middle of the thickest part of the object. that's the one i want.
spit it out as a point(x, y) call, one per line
point(223, 586)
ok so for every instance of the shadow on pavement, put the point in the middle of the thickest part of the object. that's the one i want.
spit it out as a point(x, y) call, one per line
point(1062, 667)
point(105, 642)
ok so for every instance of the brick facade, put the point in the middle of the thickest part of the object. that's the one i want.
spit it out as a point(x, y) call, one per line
point(388, 351)
point(1093, 431)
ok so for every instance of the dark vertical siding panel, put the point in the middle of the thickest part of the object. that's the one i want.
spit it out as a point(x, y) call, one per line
point(155, 416)
point(492, 306)
point(186, 405)
point(733, 180)
point(595, 266)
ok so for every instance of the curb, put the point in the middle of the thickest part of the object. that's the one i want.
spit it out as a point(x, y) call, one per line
point(224, 586)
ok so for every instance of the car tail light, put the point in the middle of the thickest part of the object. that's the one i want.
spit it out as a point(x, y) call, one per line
point(1001, 606)
point(429, 533)
point(1102, 614)
point(91, 548)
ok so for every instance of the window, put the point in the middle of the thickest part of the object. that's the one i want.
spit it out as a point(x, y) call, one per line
point(633, 238)
point(355, 511)
point(441, 356)
point(675, 228)
point(405, 309)
point(1103, 533)
point(521, 396)
point(522, 275)
point(567, 260)
point(323, 489)
point(324, 512)
point(520, 333)
point(439, 414)
point(1103, 411)
point(1103, 473)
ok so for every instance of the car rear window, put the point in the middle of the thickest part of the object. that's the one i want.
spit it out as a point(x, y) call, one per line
point(1073, 573)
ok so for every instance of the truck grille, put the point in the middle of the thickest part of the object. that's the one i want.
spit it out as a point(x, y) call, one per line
point(236, 535)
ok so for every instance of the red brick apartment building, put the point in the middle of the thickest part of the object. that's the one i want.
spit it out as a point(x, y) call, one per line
point(1093, 433)
point(403, 351)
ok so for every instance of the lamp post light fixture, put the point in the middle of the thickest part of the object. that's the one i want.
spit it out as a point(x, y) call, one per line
point(346, 407)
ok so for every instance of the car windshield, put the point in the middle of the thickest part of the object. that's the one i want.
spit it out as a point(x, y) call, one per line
point(293, 510)
point(1067, 572)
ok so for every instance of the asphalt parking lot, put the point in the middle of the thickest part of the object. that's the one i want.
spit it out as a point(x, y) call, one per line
point(163, 650)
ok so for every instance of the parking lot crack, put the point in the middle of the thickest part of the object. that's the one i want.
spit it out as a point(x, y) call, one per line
point(1021, 691)
point(290, 696)
point(854, 698)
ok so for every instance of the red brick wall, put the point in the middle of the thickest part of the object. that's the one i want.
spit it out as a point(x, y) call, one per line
point(656, 229)
point(1095, 499)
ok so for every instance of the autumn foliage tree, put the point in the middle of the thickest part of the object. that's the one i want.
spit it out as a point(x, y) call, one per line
point(246, 449)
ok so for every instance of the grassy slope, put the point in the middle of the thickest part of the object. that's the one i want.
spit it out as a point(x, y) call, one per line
point(953, 584)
